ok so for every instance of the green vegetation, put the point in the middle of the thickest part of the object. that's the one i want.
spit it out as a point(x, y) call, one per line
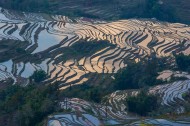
point(86, 92)
point(144, 73)
point(142, 104)
point(150, 9)
point(160, 12)
point(29, 5)
point(170, 10)
point(183, 62)
point(98, 86)
point(95, 96)
point(27, 106)
point(38, 76)
point(135, 76)
point(139, 75)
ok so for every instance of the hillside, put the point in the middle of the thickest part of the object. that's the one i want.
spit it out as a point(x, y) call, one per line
point(166, 10)
point(59, 70)
point(66, 57)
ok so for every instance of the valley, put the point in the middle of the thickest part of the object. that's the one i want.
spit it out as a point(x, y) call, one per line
point(79, 52)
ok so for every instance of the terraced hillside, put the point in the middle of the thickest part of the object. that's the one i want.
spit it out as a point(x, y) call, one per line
point(113, 109)
point(88, 120)
point(170, 94)
point(60, 45)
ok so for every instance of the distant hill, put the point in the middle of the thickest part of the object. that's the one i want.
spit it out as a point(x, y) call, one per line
point(165, 10)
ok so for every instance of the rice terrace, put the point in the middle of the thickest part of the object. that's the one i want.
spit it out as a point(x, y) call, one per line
point(58, 70)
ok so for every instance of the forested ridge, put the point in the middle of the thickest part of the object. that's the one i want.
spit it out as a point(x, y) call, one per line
point(170, 10)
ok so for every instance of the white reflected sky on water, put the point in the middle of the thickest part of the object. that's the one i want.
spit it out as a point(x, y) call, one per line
point(8, 64)
point(46, 40)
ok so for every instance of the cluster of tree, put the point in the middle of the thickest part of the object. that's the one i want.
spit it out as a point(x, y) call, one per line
point(38, 76)
point(142, 104)
point(27, 106)
point(149, 9)
point(159, 11)
point(86, 92)
point(121, 9)
point(139, 75)
point(183, 62)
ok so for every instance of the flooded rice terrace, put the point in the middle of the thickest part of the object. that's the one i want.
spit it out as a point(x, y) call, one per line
point(46, 39)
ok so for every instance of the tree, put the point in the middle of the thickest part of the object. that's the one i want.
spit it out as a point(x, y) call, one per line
point(142, 103)
point(30, 104)
point(95, 96)
point(183, 62)
point(39, 75)
point(138, 75)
